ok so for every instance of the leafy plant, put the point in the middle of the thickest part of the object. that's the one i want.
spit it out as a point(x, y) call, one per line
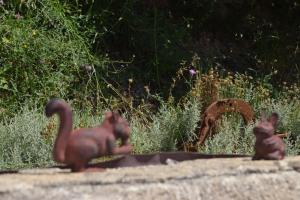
point(172, 126)
point(44, 54)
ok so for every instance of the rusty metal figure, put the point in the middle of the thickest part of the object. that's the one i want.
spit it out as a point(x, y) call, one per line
point(268, 146)
point(76, 148)
point(217, 108)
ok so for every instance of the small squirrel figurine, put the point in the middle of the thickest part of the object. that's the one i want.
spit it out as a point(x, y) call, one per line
point(268, 146)
point(76, 148)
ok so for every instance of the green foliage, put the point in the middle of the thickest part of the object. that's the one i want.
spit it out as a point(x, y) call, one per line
point(66, 48)
point(42, 54)
point(231, 137)
point(22, 144)
point(142, 37)
point(171, 126)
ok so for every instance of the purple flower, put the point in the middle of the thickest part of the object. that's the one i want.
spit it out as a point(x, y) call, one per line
point(192, 72)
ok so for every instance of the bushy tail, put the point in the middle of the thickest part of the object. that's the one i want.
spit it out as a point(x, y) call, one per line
point(60, 107)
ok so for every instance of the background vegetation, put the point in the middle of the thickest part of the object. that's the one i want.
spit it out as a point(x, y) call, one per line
point(160, 62)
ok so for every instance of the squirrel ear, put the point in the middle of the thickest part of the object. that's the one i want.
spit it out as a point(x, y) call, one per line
point(274, 118)
point(115, 115)
point(108, 114)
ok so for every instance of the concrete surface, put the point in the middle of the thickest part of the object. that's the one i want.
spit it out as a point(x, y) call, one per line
point(230, 178)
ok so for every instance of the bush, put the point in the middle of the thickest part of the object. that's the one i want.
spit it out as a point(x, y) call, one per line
point(43, 54)
point(231, 137)
point(22, 144)
point(168, 129)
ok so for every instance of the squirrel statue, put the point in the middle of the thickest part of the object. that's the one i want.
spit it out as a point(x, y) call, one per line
point(268, 146)
point(76, 148)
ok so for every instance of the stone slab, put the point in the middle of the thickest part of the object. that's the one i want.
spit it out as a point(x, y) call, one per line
point(227, 178)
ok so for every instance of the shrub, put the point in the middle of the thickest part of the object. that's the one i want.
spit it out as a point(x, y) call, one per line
point(43, 54)
point(231, 137)
point(22, 144)
point(171, 126)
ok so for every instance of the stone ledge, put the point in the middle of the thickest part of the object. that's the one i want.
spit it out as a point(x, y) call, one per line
point(230, 178)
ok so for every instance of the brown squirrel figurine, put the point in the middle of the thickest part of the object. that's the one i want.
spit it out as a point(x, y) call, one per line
point(76, 148)
point(268, 146)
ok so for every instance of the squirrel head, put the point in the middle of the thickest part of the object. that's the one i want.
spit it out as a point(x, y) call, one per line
point(120, 125)
point(266, 127)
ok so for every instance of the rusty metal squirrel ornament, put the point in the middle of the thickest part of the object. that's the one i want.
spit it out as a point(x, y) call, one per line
point(76, 148)
point(268, 146)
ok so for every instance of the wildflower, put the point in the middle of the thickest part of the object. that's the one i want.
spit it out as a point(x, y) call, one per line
point(192, 72)
point(87, 67)
point(180, 72)
point(147, 89)
point(130, 80)
point(18, 16)
point(34, 32)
